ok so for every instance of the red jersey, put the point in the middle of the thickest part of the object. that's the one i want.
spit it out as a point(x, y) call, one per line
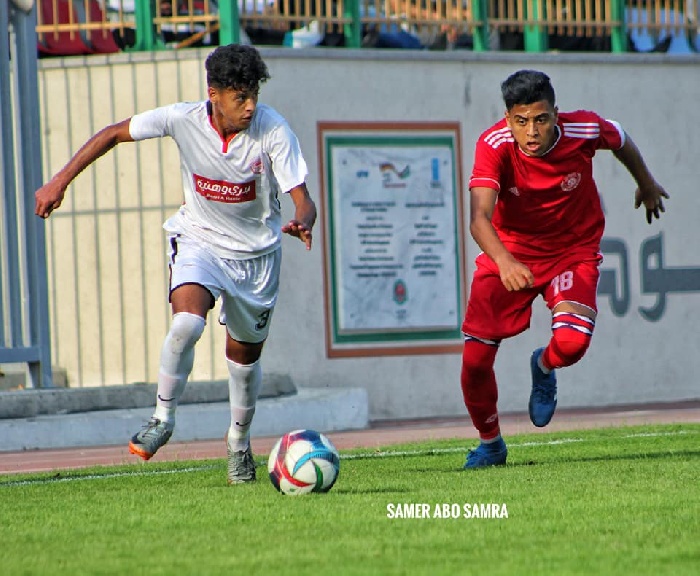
point(547, 206)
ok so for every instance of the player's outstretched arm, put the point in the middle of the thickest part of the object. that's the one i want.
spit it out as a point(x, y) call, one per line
point(50, 195)
point(514, 275)
point(304, 217)
point(649, 192)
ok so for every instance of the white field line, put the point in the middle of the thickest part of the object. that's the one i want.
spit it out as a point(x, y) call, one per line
point(358, 456)
point(390, 453)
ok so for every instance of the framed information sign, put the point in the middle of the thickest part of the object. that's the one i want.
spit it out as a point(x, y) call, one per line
point(394, 225)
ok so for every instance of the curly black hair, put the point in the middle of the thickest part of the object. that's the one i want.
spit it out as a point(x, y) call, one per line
point(526, 87)
point(236, 66)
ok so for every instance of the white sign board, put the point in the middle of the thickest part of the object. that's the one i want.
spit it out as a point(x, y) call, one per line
point(394, 266)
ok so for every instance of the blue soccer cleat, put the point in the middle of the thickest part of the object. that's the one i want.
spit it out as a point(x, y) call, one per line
point(543, 397)
point(493, 454)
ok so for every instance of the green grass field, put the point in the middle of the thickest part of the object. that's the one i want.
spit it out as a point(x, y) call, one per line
point(609, 501)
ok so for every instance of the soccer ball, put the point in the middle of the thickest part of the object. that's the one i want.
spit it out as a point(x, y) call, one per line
point(303, 461)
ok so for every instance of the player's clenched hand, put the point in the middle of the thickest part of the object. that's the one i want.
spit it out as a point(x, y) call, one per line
point(48, 198)
point(651, 196)
point(299, 230)
point(515, 275)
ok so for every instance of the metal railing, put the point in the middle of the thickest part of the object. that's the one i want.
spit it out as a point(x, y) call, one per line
point(144, 25)
point(622, 23)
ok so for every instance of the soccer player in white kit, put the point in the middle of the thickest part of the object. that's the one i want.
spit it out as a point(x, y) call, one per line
point(225, 240)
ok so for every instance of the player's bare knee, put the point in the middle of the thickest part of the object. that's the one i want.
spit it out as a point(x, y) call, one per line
point(244, 353)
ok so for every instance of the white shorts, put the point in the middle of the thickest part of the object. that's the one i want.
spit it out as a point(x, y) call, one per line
point(248, 288)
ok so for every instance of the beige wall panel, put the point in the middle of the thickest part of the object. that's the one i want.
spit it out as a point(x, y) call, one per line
point(66, 344)
point(101, 115)
point(111, 287)
point(88, 296)
point(136, 285)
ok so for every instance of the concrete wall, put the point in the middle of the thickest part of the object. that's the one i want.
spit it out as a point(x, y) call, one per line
point(109, 318)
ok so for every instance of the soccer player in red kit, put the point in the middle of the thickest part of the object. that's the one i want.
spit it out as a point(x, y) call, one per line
point(537, 216)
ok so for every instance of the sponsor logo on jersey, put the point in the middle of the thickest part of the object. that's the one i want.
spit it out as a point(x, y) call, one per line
point(222, 191)
point(571, 181)
point(514, 190)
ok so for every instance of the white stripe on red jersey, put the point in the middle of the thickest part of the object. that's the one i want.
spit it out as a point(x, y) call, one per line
point(498, 137)
point(581, 129)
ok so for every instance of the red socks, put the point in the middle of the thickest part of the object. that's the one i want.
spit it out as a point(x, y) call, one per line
point(479, 386)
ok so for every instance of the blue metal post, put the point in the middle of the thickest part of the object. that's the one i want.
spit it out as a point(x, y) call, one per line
point(29, 131)
point(10, 242)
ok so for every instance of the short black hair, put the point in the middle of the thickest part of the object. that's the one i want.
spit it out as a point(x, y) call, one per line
point(236, 66)
point(526, 87)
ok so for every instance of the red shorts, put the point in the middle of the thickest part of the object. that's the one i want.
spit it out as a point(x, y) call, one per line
point(494, 313)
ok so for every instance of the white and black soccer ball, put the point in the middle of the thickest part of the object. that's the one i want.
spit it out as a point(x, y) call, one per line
point(303, 461)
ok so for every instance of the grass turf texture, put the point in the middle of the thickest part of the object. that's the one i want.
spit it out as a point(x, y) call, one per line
point(607, 501)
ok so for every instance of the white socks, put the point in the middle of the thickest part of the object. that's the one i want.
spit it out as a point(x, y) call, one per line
point(244, 385)
point(491, 440)
point(176, 361)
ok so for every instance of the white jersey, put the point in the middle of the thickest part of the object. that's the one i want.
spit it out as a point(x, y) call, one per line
point(231, 187)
